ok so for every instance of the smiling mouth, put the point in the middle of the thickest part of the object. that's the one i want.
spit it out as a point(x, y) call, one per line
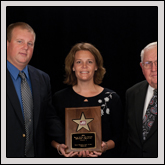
point(84, 72)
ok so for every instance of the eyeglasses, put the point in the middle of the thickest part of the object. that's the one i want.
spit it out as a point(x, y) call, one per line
point(148, 64)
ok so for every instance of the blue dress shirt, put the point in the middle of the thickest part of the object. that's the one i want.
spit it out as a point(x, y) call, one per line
point(14, 72)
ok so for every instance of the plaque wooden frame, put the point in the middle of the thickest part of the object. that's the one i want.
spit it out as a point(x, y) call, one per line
point(83, 129)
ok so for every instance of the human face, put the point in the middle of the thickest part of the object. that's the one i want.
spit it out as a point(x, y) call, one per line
point(84, 66)
point(150, 74)
point(20, 48)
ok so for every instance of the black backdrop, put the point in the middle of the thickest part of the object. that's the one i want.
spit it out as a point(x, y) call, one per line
point(119, 32)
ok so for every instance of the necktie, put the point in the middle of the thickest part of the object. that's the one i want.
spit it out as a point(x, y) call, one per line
point(150, 115)
point(27, 102)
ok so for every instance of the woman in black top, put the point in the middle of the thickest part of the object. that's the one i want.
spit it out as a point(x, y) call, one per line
point(84, 71)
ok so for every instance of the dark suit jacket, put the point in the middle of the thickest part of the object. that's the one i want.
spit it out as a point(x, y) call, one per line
point(135, 146)
point(45, 119)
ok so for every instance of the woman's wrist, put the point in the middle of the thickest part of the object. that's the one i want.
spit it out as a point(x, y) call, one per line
point(105, 147)
point(58, 150)
point(110, 144)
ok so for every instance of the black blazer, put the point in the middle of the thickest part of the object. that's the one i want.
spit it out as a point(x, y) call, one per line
point(135, 146)
point(45, 119)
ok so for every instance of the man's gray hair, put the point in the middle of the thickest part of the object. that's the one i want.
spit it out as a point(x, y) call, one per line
point(147, 47)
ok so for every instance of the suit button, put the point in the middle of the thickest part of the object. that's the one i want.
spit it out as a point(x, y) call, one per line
point(23, 135)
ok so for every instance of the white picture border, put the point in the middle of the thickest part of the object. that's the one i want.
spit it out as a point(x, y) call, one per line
point(160, 159)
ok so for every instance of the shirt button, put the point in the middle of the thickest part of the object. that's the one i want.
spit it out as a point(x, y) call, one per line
point(29, 119)
point(23, 135)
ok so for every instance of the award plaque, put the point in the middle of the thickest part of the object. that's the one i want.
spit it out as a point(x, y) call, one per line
point(83, 129)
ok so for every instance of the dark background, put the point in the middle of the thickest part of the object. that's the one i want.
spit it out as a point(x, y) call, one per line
point(118, 32)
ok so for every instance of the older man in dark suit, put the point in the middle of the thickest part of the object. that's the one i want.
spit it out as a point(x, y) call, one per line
point(30, 113)
point(141, 127)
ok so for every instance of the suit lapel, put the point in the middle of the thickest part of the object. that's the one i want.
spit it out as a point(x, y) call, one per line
point(140, 99)
point(12, 95)
point(34, 78)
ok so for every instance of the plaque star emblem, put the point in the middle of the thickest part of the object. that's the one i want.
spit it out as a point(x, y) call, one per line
point(83, 122)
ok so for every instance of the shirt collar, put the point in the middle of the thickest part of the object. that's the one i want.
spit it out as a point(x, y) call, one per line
point(14, 71)
point(151, 89)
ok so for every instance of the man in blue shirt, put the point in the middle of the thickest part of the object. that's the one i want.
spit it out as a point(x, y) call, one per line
point(20, 45)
